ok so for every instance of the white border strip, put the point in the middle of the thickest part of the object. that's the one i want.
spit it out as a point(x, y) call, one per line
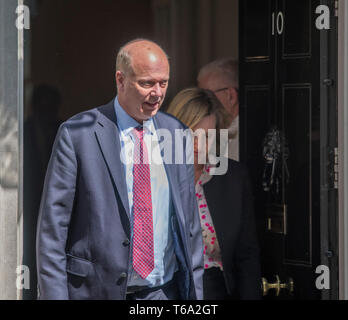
point(343, 146)
point(20, 116)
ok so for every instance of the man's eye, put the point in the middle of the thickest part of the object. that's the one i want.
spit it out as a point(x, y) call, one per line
point(150, 84)
point(146, 84)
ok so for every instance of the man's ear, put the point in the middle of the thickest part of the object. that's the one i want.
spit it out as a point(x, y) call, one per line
point(234, 101)
point(120, 79)
point(232, 96)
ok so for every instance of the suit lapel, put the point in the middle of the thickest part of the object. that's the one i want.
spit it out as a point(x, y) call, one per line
point(107, 134)
point(171, 169)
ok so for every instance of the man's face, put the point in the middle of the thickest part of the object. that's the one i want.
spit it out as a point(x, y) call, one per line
point(227, 95)
point(142, 92)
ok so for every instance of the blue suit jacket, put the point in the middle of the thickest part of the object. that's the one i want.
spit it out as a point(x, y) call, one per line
point(83, 230)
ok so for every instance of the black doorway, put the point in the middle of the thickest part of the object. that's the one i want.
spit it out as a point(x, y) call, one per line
point(288, 83)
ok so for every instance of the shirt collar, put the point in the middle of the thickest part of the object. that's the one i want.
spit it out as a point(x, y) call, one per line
point(126, 123)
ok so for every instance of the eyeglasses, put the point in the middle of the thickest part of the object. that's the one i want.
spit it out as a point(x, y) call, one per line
point(218, 90)
point(223, 89)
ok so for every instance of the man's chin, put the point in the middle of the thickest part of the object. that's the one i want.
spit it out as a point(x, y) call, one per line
point(149, 112)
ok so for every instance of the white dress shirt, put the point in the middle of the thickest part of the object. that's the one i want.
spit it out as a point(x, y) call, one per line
point(162, 207)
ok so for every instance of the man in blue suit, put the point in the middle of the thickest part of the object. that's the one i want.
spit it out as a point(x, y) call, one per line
point(113, 224)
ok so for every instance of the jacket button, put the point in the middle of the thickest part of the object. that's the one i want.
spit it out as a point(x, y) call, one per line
point(126, 242)
point(122, 278)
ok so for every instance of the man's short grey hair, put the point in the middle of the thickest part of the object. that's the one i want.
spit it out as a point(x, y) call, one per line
point(226, 68)
point(124, 59)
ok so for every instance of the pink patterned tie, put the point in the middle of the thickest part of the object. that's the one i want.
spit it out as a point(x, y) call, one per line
point(143, 252)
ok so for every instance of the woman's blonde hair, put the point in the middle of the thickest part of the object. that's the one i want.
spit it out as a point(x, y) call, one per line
point(191, 105)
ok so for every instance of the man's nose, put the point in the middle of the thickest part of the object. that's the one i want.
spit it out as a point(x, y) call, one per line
point(156, 90)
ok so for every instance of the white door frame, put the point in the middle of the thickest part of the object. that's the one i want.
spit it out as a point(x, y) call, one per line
point(11, 146)
point(343, 146)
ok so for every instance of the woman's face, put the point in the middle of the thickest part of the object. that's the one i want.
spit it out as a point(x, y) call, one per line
point(202, 127)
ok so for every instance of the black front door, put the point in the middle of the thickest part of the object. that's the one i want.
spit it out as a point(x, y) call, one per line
point(280, 97)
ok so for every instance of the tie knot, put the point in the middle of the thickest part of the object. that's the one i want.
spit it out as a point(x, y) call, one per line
point(139, 132)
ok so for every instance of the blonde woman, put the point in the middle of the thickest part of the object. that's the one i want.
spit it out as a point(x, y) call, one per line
point(225, 202)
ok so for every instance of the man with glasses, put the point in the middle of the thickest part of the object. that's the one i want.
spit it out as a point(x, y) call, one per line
point(221, 77)
point(243, 281)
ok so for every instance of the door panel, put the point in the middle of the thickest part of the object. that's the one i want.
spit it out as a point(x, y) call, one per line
point(257, 115)
point(288, 217)
point(298, 66)
point(297, 196)
point(296, 40)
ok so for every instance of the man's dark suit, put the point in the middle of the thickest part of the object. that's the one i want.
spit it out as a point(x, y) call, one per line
point(83, 242)
point(230, 203)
